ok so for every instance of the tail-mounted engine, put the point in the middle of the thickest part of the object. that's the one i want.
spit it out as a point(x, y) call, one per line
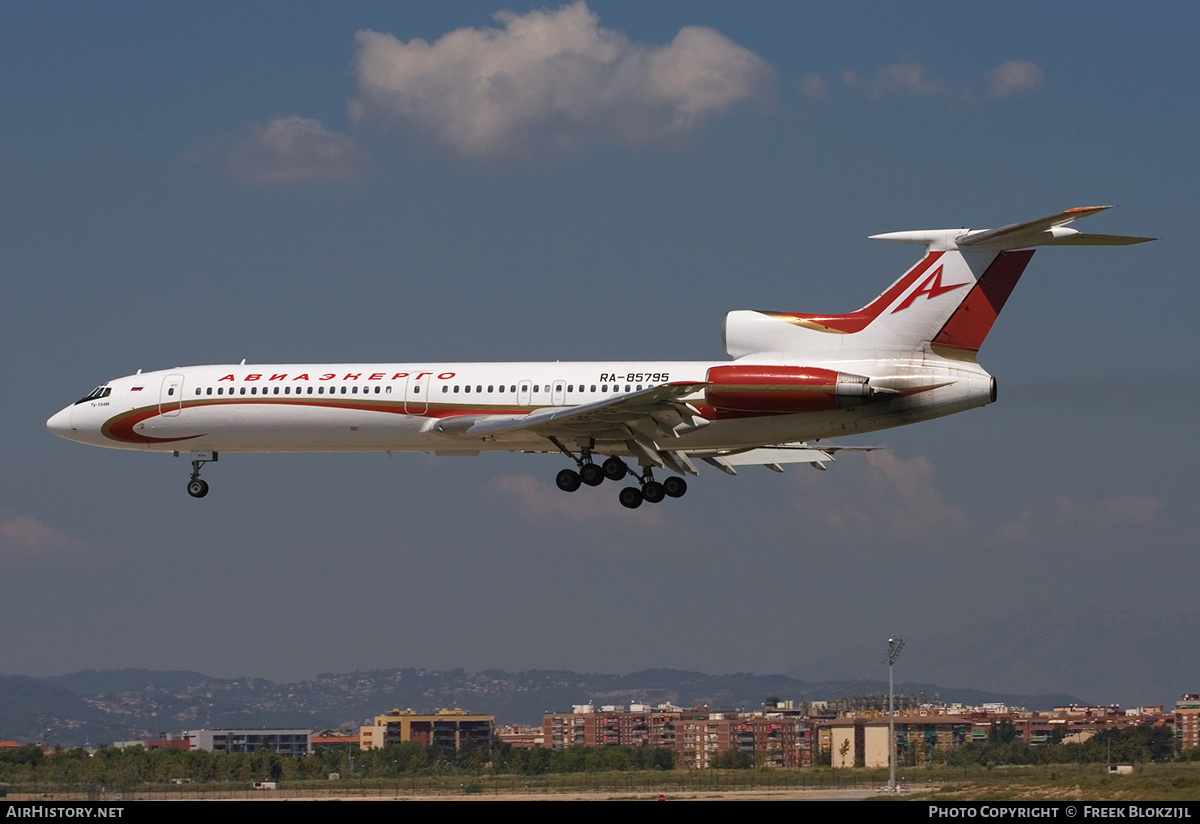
point(767, 388)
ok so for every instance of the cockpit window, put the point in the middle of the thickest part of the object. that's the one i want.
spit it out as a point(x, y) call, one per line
point(95, 395)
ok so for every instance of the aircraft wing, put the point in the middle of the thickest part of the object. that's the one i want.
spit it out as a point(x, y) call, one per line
point(660, 408)
point(647, 421)
point(642, 420)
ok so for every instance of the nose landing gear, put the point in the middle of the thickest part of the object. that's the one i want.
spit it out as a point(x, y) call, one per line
point(198, 487)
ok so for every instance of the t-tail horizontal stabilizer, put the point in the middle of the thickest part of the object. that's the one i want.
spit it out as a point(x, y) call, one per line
point(1052, 230)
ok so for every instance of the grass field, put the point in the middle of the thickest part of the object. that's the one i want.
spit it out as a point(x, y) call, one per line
point(1087, 782)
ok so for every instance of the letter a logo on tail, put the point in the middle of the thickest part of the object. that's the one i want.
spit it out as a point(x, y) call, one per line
point(931, 286)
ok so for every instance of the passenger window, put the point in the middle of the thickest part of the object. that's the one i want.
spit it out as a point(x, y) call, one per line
point(490, 388)
point(467, 389)
point(478, 389)
point(243, 391)
point(208, 391)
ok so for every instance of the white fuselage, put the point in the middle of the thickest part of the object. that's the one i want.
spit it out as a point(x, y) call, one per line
point(398, 407)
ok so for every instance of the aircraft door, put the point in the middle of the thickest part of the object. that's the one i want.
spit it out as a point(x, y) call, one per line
point(416, 395)
point(170, 396)
point(558, 393)
point(524, 392)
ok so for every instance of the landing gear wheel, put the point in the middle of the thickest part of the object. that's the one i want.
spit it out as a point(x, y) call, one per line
point(567, 480)
point(591, 474)
point(654, 492)
point(675, 486)
point(630, 497)
point(197, 488)
point(615, 469)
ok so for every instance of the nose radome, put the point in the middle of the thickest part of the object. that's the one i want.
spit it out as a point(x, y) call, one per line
point(60, 424)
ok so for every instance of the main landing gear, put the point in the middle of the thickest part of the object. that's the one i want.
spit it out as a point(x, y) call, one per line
point(652, 491)
point(198, 487)
point(614, 469)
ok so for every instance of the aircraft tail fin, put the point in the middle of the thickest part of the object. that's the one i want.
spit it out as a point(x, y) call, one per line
point(945, 304)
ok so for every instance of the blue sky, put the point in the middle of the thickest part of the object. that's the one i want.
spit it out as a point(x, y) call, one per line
point(205, 184)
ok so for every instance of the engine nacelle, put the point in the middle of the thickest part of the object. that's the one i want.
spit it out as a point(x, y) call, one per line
point(769, 388)
point(747, 332)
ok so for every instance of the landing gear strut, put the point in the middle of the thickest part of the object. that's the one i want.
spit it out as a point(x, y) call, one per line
point(197, 487)
point(569, 480)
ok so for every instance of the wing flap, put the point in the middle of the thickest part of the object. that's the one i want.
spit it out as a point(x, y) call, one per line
point(663, 406)
point(773, 457)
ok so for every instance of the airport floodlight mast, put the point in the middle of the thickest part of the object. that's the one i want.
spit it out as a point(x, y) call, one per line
point(893, 652)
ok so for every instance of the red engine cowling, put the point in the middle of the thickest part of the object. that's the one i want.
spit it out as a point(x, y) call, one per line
point(766, 388)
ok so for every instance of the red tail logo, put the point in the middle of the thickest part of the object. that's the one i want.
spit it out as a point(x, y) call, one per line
point(931, 286)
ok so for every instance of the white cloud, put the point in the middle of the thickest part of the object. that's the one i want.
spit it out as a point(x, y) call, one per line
point(887, 496)
point(549, 82)
point(1015, 77)
point(895, 499)
point(1067, 516)
point(909, 78)
point(25, 540)
point(813, 85)
point(294, 149)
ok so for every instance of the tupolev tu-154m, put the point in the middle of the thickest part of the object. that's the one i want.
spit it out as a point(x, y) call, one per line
point(907, 356)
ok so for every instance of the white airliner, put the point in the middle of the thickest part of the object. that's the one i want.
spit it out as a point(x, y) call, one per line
point(907, 356)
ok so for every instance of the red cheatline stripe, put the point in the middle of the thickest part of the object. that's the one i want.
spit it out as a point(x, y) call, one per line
point(121, 427)
point(857, 321)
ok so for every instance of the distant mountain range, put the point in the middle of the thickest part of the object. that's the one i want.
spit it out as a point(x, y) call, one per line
point(93, 708)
